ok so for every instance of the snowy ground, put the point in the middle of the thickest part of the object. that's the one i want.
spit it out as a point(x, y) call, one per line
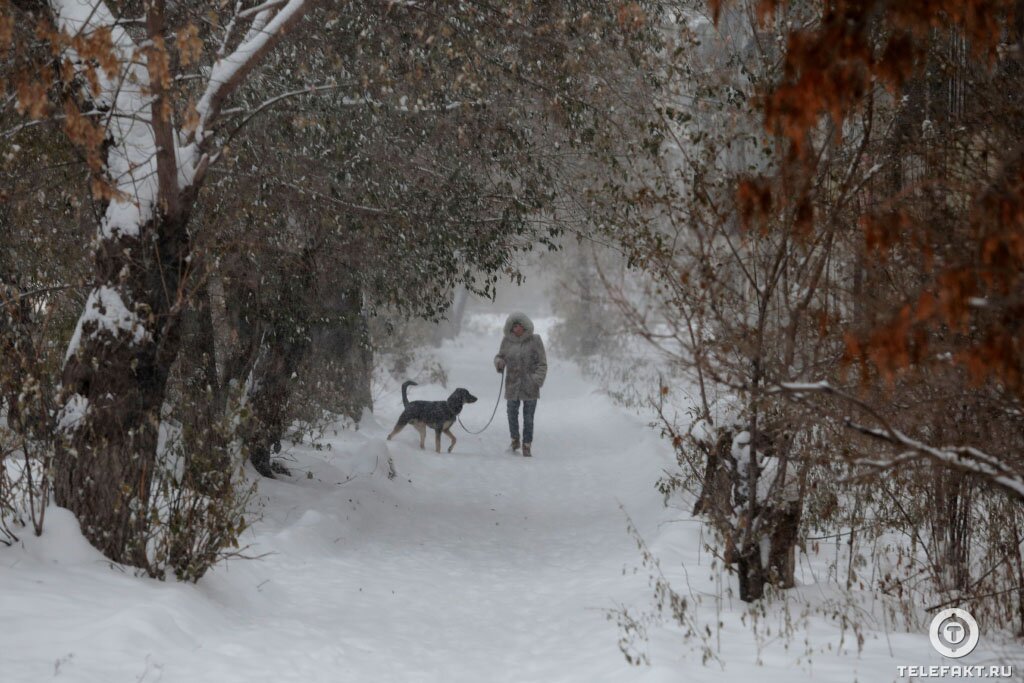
point(470, 566)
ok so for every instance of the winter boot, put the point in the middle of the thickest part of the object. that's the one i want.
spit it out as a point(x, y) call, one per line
point(526, 450)
point(515, 445)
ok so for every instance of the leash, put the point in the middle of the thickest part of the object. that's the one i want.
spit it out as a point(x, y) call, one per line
point(494, 412)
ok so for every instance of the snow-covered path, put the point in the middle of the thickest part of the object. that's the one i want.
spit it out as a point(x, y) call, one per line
point(472, 566)
point(475, 566)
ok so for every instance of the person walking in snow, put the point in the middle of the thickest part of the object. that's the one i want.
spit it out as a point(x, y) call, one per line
point(525, 364)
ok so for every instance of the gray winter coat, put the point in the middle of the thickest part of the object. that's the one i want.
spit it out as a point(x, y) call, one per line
point(524, 360)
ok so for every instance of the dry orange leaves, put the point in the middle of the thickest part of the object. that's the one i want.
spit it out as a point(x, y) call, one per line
point(831, 65)
point(971, 295)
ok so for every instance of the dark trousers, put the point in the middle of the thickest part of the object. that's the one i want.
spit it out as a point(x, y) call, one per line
point(529, 408)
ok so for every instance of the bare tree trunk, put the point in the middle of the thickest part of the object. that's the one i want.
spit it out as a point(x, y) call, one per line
point(242, 335)
point(286, 341)
point(343, 353)
point(715, 497)
point(785, 523)
point(768, 529)
point(128, 336)
point(279, 359)
point(15, 349)
point(207, 463)
point(752, 576)
point(113, 385)
point(1019, 565)
point(590, 316)
point(775, 531)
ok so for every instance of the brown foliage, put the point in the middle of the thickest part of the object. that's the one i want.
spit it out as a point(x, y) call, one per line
point(754, 201)
point(831, 65)
point(972, 265)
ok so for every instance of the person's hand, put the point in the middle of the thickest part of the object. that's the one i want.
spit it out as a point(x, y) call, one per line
point(499, 364)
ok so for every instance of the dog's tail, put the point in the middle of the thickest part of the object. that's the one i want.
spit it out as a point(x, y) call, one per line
point(405, 387)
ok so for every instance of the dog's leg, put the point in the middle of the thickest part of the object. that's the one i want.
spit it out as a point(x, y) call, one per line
point(398, 427)
point(437, 440)
point(422, 429)
point(448, 431)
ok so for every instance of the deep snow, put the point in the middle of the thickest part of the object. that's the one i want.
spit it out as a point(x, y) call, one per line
point(471, 566)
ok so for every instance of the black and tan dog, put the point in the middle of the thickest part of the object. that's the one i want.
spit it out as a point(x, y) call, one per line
point(438, 415)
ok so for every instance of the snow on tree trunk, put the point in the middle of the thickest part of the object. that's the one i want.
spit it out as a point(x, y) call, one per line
point(127, 338)
point(114, 379)
point(116, 365)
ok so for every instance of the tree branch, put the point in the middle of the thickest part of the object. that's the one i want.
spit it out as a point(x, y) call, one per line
point(158, 66)
point(229, 72)
point(995, 469)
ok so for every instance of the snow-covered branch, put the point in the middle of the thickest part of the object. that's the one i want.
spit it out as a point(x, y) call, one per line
point(405, 107)
point(347, 101)
point(252, 11)
point(124, 96)
point(965, 458)
point(230, 71)
point(995, 468)
point(222, 50)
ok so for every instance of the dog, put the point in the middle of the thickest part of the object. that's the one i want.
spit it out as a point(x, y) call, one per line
point(438, 415)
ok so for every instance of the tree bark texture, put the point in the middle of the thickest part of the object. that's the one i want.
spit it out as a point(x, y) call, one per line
point(201, 406)
point(114, 382)
point(342, 349)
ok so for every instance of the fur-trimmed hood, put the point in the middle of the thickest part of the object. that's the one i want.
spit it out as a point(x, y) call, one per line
point(522, 319)
point(523, 359)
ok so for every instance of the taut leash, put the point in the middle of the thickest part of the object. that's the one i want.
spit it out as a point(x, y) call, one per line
point(494, 412)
